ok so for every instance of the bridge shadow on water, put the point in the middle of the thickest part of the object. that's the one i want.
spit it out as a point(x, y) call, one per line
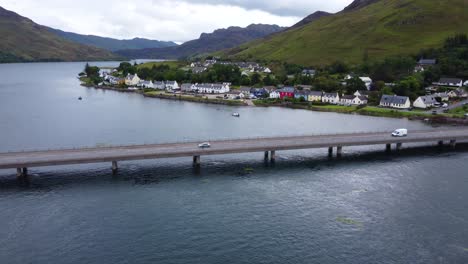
point(243, 166)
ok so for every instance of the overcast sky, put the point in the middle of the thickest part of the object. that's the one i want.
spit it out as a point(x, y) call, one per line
point(170, 20)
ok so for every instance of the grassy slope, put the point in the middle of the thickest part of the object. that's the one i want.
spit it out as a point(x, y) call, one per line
point(171, 64)
point(388, 27)
point(23, 40)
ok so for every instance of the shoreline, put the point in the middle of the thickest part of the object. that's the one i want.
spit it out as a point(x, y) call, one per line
point(366, 111)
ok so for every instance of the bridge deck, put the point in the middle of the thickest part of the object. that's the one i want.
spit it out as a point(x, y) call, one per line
point(108, 154)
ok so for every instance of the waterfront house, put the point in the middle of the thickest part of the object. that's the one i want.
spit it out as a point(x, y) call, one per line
point(466, 83)
point(274, 94)
point(259, 92)
point(186, 87)
point(115, 80)
point(461, 93)
point(159, 85)
point(308, 72)
point(395, 101)
point(235, 94)
point(315, 96)
point(423, 64)
point(424, 102)
point(362, 93)
point(360, 100)
point(347, 99)
point(367, 81)
point(452, 82)
point(302, 94)
point(172, 86)
point(331, 98)
point(145, 84)
point(132, 80)
point(444, 97)
point(211, 88)
point(286, 92)
point(246, 91)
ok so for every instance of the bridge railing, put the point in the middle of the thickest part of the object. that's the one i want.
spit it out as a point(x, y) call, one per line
point(197, 141)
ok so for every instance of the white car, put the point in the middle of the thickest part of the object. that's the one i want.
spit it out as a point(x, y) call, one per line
point(402, 132)
point(204, 145)
point(444, 105)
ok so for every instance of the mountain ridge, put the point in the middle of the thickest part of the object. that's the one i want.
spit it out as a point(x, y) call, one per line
point(207, 42)
point(25, 41)
point(112, 44)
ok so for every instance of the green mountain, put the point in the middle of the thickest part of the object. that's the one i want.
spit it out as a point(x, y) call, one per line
point(208, 42)
point(370, 29)
point(23, 41)
point(113, 44)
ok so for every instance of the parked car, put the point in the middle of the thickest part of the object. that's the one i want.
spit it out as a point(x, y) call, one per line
point(204, 145)
point(445, 105)
point(402, 132)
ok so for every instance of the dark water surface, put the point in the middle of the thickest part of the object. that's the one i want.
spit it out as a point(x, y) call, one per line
point(368, 207)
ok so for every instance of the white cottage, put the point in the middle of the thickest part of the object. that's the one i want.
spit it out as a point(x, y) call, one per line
point(395, 101)
point(331, 98)
point(424, 102)
point(172, 86)
point(132, 80)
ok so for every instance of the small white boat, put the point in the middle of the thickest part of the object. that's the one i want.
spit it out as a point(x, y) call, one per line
point(236, 114)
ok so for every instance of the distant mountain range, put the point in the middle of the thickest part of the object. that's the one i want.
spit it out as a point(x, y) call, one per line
point(113, 44)
point(23, 40)
point(366, 29)
point(208, 42)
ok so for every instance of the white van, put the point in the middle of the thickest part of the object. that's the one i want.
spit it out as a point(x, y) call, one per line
point(402, 132)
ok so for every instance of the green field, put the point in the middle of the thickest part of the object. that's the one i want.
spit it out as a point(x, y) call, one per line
point(171, 64)
point(385, 28)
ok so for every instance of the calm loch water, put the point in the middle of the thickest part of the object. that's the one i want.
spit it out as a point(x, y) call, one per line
point(368, 207)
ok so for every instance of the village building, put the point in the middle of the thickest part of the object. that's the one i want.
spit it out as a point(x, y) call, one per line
point(452, 82)
point(304, 94)
point(235, 94)
point(132, 80)
point(159, 85)
point(347, 99)
point(331, 98)
point(426, 101)
point(444, 97)
point(360, 100)
point(286, 92)
point(186, 87)
point(145, 84)
point(274, 94)
point(172, 86)
point(367, 81)
point(199, 69)
point(424, 64)
point(211, 88)
point(395, 101)
point(308, 72)
point(259, 92)
point(362, 93)
point(315, 96)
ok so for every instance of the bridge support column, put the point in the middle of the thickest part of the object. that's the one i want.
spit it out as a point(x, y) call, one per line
point(196, 161)
point(273, 156)
point(388, 148)
point(339, 151)
point(266, 156)
point(398, 146)
point(19, 173)
point(330, 152)
point(440, 143)
point(115, 167)
point(453, 143)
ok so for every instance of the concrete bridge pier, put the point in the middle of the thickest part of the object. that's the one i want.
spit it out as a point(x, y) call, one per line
point(398, 146)
point(196, 161)
point(440, 143)
point(273, 156)
point(115, 167)
point(330, 152)
point(22, 174)
point(265, 157)
point(388, 148)
point(339, 151)
point(453, 143)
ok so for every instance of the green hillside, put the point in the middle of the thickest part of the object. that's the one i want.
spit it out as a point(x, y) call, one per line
point(24, 40)
point(384, 28)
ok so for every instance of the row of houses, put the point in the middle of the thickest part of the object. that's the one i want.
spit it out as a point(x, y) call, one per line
point(423, 102)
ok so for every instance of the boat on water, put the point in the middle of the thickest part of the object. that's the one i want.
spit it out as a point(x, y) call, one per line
point(80, 98)
point(236, 114)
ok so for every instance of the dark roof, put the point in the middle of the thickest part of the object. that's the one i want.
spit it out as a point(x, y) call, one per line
point(393, 99)
point(428, 99)
point(330, 95)
point(427, 61)
point(316, 93)
point(348, 97)
point(450, 80)
point(245, 89)
point(287, 90)
point(363, 98)
point(364, 92)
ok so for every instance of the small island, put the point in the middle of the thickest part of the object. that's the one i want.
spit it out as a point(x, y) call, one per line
point(419, 87)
